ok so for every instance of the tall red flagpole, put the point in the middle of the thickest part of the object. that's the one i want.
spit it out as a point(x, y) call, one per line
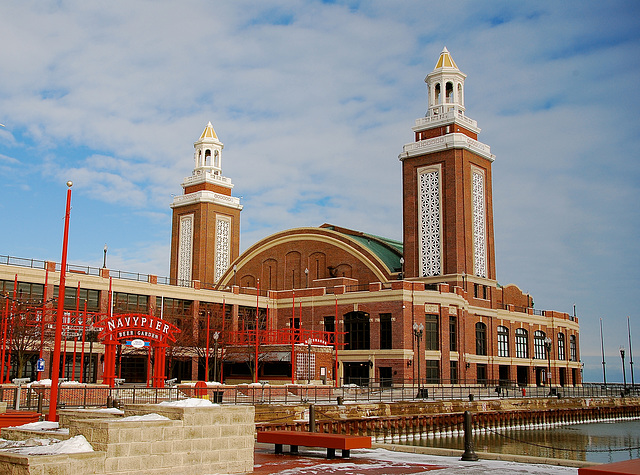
point(55, 366)
point(84, 326)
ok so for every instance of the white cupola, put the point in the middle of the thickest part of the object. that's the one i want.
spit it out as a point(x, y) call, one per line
point(208, 153)
point(445, 86)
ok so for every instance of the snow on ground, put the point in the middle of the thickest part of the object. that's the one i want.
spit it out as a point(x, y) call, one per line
point(384, 462)
point(74, 445)
point(145, 417)
point(208, 383)
point(455, 466)
point(191, 402)
point(47, 383)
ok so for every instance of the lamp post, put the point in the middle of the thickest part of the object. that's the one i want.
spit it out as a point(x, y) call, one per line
point(402, 268)
point(216, 335)
point(104, 261)
point(547, 344)
point(55, 366)
point(417, 333)
point(235, 269)
point(624, 373)
point(306, 274)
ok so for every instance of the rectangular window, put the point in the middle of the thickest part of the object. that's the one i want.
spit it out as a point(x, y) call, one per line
point(385, 331)
point(453, 334)
point(125, 303)
point(432, 375)
point(431, 332)
point(329, 328)
point(453, 372)
point(481, 373)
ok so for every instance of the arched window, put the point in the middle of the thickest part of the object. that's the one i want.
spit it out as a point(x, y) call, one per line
point(460, 99)
point(199, 161)
point(539, 352)
point(481, 339)
point(573, 348)
point(449, 93)
point(207, 158)
point(216, 159)
point(436, 96)
point(503, 341)
point(522, 343)
point(561, 353)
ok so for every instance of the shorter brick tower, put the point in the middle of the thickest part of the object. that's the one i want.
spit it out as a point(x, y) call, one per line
point(205, 234)
point(446, 177)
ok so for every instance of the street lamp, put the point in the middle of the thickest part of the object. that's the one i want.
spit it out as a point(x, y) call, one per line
point(104, 262)
point(216, 335)
point(235, 269)
point(55, 366)
point(402, 268)
point(624, 373)
point(547, 344)
point(417, 333)
point(306, 274)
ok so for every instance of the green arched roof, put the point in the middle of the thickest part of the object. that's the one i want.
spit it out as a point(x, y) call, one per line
point(388, 250)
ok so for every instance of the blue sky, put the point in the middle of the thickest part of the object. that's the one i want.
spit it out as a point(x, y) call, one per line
point(314, 101)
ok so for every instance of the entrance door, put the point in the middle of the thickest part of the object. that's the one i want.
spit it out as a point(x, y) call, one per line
point(503, 375)
point(522, 375)
point(385, 376)
point(563, 376)
point(356, 373)
point(134, 369)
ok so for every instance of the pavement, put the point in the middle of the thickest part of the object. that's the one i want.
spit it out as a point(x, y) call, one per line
point(379, 461)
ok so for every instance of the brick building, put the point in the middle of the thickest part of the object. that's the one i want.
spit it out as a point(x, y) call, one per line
point(313, 304)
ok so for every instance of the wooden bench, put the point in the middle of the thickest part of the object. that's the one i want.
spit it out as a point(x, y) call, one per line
point(314, 439)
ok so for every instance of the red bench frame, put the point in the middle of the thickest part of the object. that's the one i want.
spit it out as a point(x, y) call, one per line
point(314, 439)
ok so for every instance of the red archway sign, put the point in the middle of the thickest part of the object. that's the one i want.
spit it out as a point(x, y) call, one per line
point(125, 326)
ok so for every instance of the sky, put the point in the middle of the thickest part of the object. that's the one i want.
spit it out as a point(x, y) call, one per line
point(314, 101)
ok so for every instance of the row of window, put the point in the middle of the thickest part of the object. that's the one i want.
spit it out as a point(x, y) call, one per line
point(522, 343)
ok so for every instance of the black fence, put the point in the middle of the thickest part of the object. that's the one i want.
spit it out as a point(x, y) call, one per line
point(37, 398)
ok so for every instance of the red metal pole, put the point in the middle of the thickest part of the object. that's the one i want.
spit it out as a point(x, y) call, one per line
point(335, 345)
point(4, 336)
point(75, 338)
point(206, 364)
point(42, 320)
point(13, 318)
point(293, 340)
point(255, 374)
point(55, 367)
point(84, 326)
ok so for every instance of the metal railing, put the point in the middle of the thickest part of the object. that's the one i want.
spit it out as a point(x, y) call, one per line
point(37, 398)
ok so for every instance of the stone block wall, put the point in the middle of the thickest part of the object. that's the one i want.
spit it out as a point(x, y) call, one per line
point(210, 439)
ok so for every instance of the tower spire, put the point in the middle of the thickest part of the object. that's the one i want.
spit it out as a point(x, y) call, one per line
point(445, 86)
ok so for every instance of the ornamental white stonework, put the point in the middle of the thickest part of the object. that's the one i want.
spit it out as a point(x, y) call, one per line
point(223, 250)
point(185, 250)
point(430, 227)
point(479, 225)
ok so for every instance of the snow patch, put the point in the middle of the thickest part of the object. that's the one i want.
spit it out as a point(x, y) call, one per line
point(145, 417)
point(191, 402)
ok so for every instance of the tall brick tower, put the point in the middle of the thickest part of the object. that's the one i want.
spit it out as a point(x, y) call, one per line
point(205, 235)
point(446, 179)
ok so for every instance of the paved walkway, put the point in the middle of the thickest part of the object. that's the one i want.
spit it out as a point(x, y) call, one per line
point(384, 462)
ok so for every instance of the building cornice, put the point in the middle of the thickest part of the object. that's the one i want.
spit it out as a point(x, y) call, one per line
point(202, 175)
point(451, 117)
point(446, 142)
point(206, 196)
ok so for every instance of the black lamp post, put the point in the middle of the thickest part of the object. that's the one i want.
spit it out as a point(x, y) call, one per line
point(104, 262)
point(306, 274)
point(547, 344)
point(235, 269)
point(417, 333)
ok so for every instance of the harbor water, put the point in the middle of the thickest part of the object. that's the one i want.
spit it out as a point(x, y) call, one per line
point(601, 442)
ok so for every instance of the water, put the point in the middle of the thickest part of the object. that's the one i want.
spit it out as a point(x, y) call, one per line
point(601, 442)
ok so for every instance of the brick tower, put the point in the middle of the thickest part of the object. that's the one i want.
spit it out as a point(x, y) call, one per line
point(205, 234)
point(446, 179)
